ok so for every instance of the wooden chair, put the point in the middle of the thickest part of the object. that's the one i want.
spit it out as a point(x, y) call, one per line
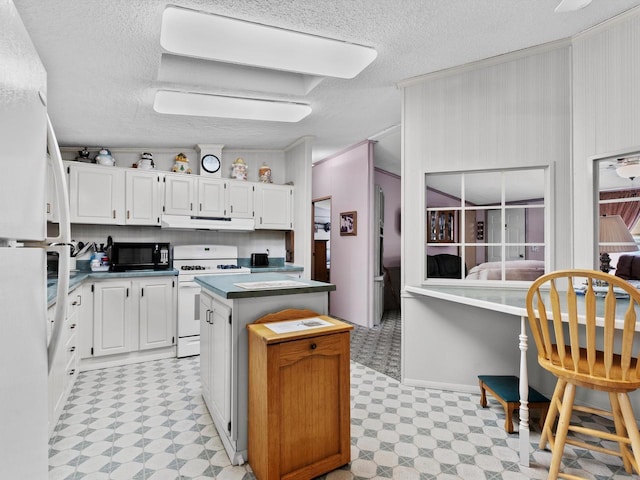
point(582, 346)
point(288, 314)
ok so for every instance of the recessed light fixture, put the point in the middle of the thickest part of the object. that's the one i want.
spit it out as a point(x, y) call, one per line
point(224, 39)
point(207, 105)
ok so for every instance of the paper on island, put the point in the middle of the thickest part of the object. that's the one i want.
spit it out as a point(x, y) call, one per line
point(266, 285)
point(297, 325)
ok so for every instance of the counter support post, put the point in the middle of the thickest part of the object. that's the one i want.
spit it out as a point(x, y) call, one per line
point(523, 433)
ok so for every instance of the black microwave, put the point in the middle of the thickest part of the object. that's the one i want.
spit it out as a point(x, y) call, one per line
point(140, 256)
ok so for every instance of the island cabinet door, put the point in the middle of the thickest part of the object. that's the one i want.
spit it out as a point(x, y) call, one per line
point(302, 428)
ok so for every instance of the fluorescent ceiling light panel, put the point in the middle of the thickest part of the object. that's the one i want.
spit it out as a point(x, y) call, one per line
point(208, 76)
point(199, 34)
point(206, 105)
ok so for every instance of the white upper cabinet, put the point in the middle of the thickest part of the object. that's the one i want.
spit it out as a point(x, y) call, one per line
point(128, 196)
point(142, 201)
point(274, 206)
point(180, 194)
point(240, 199)
point(96, 195)
point(211, 197)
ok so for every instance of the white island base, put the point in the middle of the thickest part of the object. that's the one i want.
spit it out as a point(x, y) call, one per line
point(224, 358)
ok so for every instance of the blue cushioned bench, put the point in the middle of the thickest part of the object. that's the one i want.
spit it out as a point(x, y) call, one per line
point(505, 389)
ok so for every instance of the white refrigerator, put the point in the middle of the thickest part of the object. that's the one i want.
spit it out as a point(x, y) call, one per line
point(25, 137)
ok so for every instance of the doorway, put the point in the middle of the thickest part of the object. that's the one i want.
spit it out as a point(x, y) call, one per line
point(321, 247)
point(514, 234)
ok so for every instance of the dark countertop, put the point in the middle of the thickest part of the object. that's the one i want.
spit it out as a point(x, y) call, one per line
point(224, 285)
point(76, 279)
point(288, 268)
point(276, 264)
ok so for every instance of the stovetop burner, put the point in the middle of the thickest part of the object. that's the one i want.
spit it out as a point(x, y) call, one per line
point(225, 267)
point(192, 267)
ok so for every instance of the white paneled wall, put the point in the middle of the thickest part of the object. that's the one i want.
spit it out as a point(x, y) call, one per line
point(606, 103)
point(512, 111)
point(298, 170)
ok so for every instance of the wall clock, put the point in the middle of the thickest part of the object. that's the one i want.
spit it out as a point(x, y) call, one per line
point(210, 160)
point(210, 163)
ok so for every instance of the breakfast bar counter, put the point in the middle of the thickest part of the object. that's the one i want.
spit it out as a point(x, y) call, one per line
point(473, 331)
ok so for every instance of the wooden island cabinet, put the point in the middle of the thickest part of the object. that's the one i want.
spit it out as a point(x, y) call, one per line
point(299, 401)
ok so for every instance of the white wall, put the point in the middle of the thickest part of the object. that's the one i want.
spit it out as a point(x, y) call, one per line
point(507, 112)
point(348, 179)
point(606, 106)
point(512, 111)
point(298, 172)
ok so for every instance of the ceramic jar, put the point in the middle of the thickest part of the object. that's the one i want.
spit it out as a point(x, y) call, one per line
point(239, 169)
point(182, 164)
point(264, 173)
point(146, 162)
point(104, 157)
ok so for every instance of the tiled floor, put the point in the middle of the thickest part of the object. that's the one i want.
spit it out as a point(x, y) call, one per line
point(379, 347)
point(148, 421)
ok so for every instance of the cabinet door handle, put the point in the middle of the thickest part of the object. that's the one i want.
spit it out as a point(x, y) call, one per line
point(72, 349)
point(231, 207)
point(313, 346)
point(48, 208)
point(128, 214)
point(72, 326)
point(114, 214)
point(191, 206)
point(72, 372)
point(200, 206)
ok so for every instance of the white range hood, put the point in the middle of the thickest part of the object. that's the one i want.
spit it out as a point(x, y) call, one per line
point(196, 223)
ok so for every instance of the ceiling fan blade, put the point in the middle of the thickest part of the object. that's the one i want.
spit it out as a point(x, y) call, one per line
point(571, 5)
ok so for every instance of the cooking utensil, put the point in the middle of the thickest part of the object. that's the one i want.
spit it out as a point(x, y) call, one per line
point(85, 248)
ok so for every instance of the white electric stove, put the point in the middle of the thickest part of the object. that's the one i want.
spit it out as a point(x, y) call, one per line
point(192, 261)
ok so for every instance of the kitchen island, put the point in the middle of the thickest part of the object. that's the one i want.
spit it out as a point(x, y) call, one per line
point(227, 304)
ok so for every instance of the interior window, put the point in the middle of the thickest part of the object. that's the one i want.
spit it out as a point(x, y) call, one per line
point(617, 222)
point(486, 225)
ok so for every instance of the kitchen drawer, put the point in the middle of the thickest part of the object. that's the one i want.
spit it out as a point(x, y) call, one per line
point(294, 351)
point(71, 367)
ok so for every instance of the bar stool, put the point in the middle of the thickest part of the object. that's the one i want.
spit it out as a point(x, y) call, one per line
point(565, 333)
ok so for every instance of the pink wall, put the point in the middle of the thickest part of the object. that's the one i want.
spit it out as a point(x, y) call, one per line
point(390, 185)
point(348, 179)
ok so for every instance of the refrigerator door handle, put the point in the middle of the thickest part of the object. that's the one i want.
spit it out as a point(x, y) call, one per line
point(60, 244)
point(62, 193)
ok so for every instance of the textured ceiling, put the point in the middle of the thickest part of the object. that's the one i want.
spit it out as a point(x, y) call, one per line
point(103, 60)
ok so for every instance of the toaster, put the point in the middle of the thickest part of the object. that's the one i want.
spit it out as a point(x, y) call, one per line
point(259, 259)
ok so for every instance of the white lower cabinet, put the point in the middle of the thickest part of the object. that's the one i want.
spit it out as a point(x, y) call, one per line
point(64, 370)
point(132, 315)
point(157, 312)
point(215, 357)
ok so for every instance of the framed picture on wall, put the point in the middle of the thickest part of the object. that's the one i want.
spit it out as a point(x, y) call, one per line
point(349, 223)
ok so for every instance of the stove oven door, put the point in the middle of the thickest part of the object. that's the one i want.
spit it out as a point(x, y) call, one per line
point(188, 318)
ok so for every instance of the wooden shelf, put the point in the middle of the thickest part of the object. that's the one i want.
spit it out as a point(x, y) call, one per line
point(442, 226)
